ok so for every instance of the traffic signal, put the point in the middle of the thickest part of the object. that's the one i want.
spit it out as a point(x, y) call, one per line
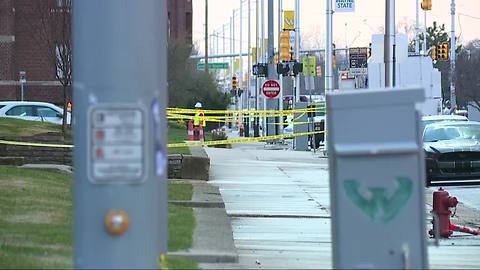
point(319, 71)
point(426, 5)
point(284, 46)
point(297, 68)
point(234, 82)
point(434, 53)
point(443, 51)
point(283, 68)
point(334, 58)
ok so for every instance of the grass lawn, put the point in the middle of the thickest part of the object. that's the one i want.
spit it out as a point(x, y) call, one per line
point(36, 220)
point(176, 134)
point(16, 127)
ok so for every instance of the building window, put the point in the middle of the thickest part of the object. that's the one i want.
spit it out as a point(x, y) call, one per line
point(188, 23)
point(60, 3)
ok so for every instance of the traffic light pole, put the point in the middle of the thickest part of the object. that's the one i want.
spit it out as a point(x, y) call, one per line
point(272, 73)
point(453, 95)
point(120, 156)
point(256, 124)
point(417, 31)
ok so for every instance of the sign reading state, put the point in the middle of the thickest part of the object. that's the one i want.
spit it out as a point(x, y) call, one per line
point(345, 5)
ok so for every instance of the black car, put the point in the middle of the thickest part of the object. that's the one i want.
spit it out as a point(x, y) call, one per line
point(452, 153)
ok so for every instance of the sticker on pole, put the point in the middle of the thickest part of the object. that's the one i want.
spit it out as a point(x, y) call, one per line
point(271, 89)
point(116, 144)
point(344, 5)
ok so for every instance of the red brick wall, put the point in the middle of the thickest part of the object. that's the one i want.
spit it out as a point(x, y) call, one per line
point(180, 22)
point(7, 26)
point(46, 93)
point(31, 54)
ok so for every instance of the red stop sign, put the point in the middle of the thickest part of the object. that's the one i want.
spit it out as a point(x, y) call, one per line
point(271, 89)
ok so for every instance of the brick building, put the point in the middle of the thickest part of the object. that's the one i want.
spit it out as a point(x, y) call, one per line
point(180, 20)
point(21, 50)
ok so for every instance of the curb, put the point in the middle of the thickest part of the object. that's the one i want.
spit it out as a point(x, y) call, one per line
point(206, 257)
point(199, 204)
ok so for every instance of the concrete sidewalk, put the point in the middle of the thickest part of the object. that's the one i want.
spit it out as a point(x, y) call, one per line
point(279, 204)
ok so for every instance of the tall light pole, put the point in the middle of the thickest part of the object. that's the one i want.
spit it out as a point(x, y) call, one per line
point(453, 96)
point(206, 36)
point(240, 74)
point(297, 47)
point(329, 48)
point(249, 61)
point(280, 77)
point(256, 131)
point(417, 30)
point(389, 41)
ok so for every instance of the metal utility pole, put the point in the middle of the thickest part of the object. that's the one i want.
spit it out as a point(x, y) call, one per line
point(272, 73)
point(249, 63)
point(206, 36)
point(297, 47)
point(120, 181)
point(453, 46)
point(389, 55)
point(417, 28)
point(240, 74)
point(264, 59)
point(329, 48)
point(256, 131)
point(232, 40)
point(280, 76)
point(424, 45)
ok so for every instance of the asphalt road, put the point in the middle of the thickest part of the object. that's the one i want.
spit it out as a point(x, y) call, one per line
point(469, 196)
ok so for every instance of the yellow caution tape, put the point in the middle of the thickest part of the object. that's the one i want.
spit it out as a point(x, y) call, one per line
point(243, 140)
point(193, 111)
point(36, 144)
point(184, 144)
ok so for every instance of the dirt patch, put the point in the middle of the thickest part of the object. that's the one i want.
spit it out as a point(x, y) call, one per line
point(34, 218)
point(12, 183)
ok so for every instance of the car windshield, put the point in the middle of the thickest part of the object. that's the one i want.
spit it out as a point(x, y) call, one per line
point(431, 121)
point(444, 133)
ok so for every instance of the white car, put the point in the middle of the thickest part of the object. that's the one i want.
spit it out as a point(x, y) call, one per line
point(33, 111)
point(430, 119)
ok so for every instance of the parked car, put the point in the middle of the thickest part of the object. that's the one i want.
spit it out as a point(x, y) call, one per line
point(452, 151)
point(426, 120)
point(33, 111)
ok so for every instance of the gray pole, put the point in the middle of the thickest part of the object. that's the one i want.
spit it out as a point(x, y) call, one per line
point(389, 42)
point(249, 56)
point(329, 48)
point(453, 96)
point(272, 73)
point(424, 45)
point(297, 47)
point(249, 72)
point(256, 126)
point(240, 57)
point(417, 28)
point(232, 60)
point(120, 181)
point(206, 36)
point(264, 60)
point(280, 77)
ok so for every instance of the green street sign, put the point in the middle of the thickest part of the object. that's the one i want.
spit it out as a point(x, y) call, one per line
point(201, 66)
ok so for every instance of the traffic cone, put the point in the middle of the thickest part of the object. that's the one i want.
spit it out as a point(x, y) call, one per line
point(190, 131)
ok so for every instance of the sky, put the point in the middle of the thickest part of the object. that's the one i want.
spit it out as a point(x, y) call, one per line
point(350, 29)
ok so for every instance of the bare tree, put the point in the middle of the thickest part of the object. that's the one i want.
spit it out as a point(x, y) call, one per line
point(52, 21)
point(467, 80)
